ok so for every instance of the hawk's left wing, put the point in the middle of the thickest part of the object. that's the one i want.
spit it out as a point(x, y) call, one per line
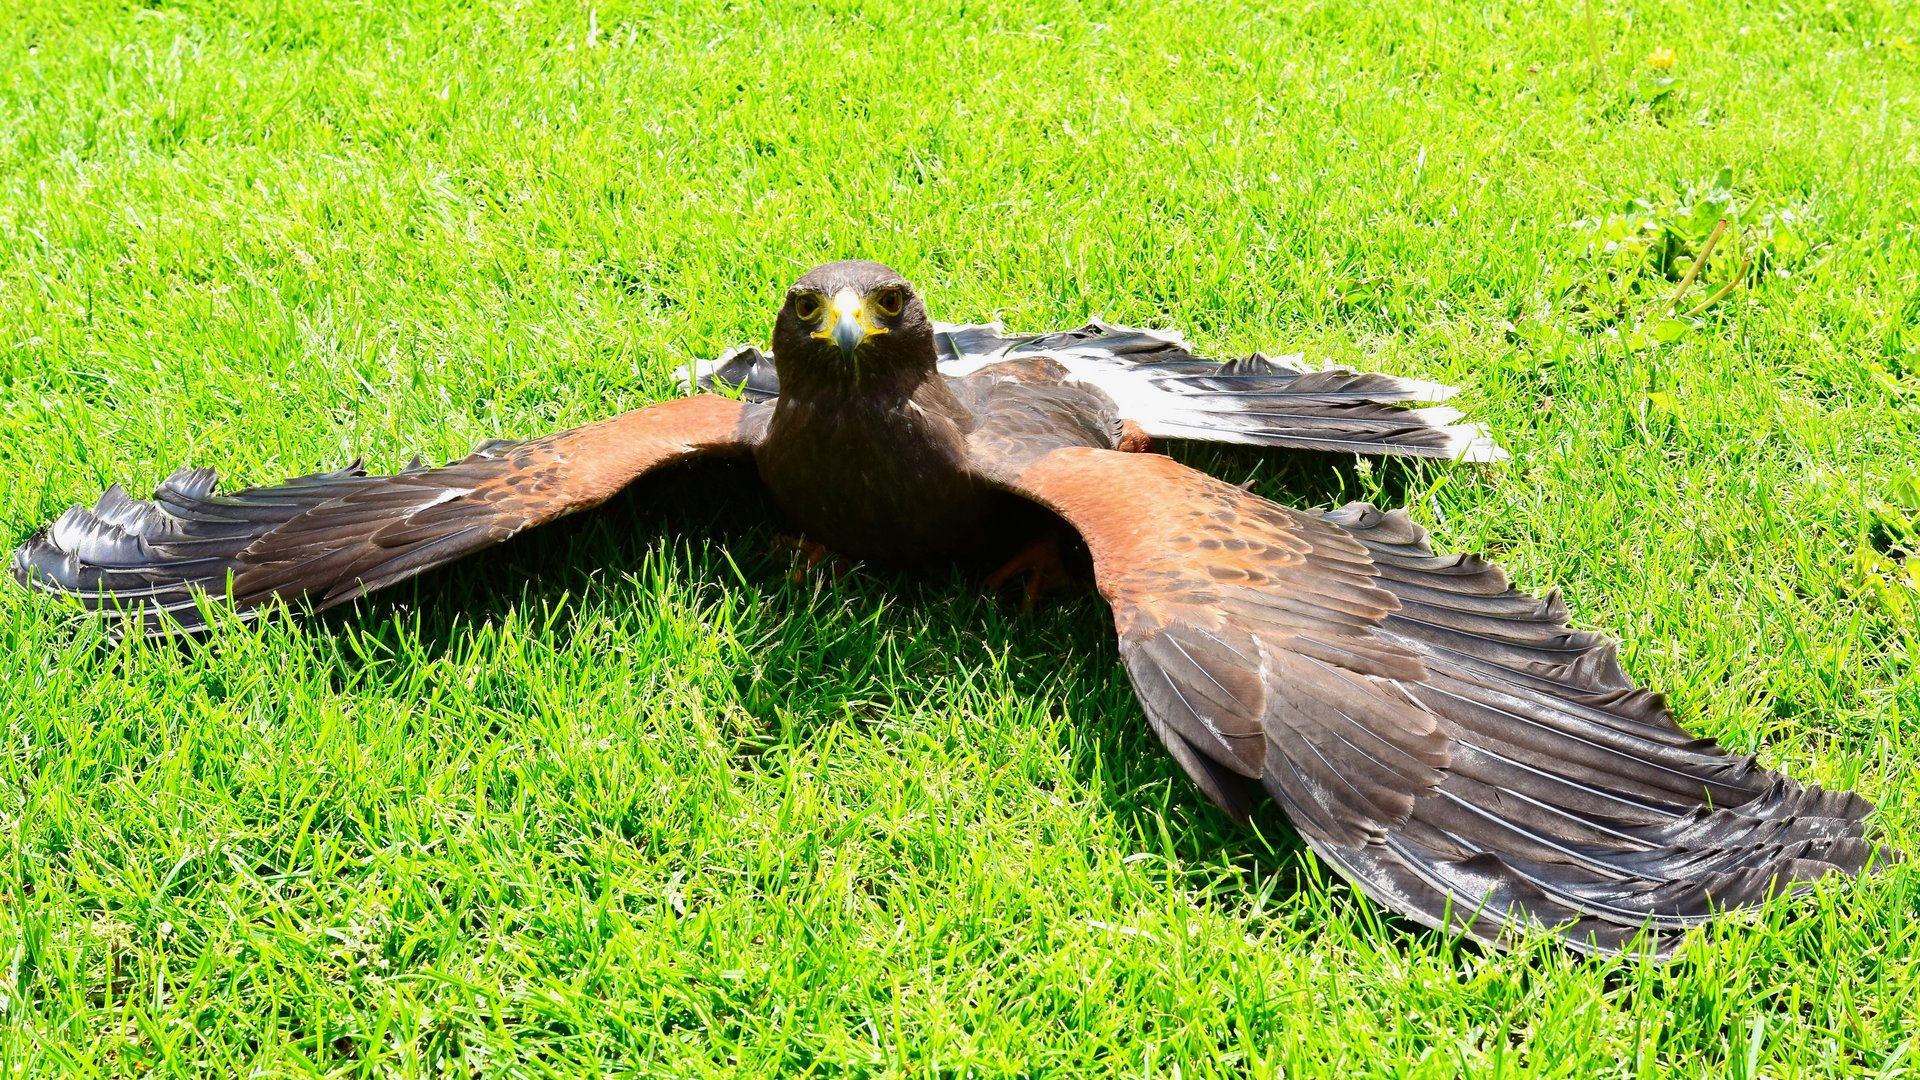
point(1445, 741)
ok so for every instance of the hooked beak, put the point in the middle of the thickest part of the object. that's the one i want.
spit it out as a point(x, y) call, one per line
point(849, 323)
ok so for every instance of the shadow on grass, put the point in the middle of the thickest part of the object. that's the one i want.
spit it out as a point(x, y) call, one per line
point(554, 568)
point(1309, 481)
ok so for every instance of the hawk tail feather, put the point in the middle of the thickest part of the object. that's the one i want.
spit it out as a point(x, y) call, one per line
point(1157, 382)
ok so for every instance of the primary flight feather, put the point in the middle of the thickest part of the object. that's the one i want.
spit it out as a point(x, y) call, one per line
point(1446, 741)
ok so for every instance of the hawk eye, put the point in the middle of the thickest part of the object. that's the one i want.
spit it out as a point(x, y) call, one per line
point(890, 300)
point(807, 306)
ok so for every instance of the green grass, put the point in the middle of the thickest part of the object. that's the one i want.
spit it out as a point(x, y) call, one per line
point(621, 798)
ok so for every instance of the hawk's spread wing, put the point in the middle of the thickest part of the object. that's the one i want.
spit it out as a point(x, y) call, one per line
point(1446, 741)
point(333, 536)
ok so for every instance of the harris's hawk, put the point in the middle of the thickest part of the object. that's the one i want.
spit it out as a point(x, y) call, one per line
point(1446, 741)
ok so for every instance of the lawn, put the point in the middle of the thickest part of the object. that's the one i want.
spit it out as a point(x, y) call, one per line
point(623, 798)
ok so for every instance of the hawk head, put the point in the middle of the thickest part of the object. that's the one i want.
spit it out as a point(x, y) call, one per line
point(851, 323)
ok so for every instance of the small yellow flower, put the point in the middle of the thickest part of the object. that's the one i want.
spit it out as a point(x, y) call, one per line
point(1660, 59)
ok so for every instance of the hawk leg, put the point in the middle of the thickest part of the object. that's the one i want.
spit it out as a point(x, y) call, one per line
point(812, 554)
point(1039, 562)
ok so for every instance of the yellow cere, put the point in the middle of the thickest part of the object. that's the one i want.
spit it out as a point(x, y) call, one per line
point(847, 302)
point(848, 305)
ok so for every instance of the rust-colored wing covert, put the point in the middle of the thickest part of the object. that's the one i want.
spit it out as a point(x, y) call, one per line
point(1252, 637)
point(326, 538)
point(1445, 741)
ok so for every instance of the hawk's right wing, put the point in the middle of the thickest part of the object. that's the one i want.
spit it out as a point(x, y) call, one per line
point(329, 537)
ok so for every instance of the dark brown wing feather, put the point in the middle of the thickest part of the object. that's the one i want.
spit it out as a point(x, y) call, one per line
point(1252, 634)
point(1572, 794)
point(326, 538)
point(1447, 742)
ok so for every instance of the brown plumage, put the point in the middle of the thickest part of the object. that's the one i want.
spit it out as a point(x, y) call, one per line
point(330, 537)
point(1449, 743)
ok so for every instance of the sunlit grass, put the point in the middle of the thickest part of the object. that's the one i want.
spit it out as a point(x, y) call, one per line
point(622, 798)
